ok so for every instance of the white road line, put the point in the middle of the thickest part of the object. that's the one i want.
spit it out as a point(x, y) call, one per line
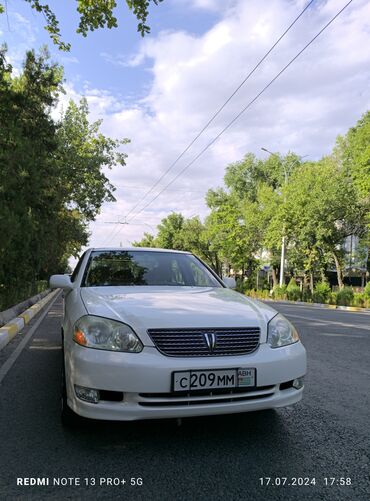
point(329, 322)
point(319, 308)
point(5, 368)
point(332, 334)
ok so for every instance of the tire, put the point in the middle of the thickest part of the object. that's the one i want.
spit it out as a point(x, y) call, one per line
point(68, 417)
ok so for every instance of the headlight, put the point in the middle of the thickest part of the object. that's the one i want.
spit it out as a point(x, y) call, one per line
point(105, 334)
point(281, 332)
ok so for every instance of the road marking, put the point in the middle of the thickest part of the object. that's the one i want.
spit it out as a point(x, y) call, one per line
point(339, 335)
point(331, 322)
point(320, 308)
point(45, 347)
point(13, 357)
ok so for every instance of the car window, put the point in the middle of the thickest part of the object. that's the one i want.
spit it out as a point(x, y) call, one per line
point(122, 268)
point(77, 268)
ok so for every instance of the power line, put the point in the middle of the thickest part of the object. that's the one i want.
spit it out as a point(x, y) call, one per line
point(219, 110)
point(244, 109)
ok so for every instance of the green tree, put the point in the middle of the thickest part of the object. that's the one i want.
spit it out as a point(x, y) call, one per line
point(169, 232)
point(353, 152)
point(321, 209)
point(148, 240)
point(51, 178)
point(93, 15)
point(241, 216)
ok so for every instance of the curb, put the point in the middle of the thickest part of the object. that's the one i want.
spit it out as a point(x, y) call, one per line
point(8, 331)
point(319, 305)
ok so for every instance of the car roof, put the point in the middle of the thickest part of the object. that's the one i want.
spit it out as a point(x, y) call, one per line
point(151, 249)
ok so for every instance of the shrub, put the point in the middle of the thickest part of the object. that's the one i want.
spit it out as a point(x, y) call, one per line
point(367, 291)
point(279, 292)
point(293, 291)
point(321, 293)
point(345, 296)
point(241, 285)
point(306, 295)
point(359, 300)
point(333, 298)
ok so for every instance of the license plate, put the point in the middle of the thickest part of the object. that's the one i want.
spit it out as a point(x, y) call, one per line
point(213, 379)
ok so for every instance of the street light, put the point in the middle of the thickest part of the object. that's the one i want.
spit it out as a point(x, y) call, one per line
point(282, 259)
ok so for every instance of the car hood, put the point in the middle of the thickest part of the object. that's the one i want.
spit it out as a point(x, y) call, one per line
point(149, 307)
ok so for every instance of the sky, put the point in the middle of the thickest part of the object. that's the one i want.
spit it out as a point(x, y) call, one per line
point(159, 91)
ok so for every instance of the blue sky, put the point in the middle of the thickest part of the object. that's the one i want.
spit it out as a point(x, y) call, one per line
point(159, 91)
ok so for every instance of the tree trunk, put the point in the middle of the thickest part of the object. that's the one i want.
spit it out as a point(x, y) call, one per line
point(275, 282)
point(311, 282)
point(339, 271)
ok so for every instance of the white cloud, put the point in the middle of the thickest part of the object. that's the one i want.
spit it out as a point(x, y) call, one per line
point(125, 61)
point(321, 95)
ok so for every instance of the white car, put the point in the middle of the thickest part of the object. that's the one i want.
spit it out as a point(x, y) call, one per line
point(153, 333)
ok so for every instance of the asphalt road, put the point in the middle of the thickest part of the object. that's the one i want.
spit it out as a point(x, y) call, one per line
point(212, 458)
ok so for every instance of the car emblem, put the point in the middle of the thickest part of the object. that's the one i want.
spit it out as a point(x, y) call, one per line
point(210, 339)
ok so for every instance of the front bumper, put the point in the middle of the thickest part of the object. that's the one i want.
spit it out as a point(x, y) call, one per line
point(145, 380)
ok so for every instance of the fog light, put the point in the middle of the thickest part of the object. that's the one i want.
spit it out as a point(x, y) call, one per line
point(298, 383)
point(87, 394)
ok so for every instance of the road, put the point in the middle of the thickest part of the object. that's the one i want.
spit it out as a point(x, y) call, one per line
point(326, 435)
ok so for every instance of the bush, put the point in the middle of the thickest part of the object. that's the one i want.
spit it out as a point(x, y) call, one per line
point(260, 294)
point(321, 293)
point(293, 291)
point(241, 285)
point(359, 300)
point(279, 292)
point(345, 296)
point(367, 291)
point(333, 298)
point(306, 295)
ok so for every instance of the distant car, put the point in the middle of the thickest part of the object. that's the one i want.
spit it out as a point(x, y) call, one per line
point(152, 333)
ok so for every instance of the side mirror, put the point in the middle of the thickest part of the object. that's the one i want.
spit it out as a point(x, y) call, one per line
point(229, 282)
point(60, 282)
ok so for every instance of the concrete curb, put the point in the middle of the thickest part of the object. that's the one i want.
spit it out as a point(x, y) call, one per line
point(8, 331)
point(320, 305)
point(13, 312)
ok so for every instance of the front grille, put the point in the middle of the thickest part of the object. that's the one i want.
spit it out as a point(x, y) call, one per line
point(205, 342)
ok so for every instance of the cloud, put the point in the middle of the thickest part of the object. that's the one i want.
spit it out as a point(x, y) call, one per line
point(190, 76)
point(122, 60)
point(206, 5)
point(320, 96)
point(21, 35)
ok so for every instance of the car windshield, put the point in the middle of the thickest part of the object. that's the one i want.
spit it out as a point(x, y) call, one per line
point(115, 268)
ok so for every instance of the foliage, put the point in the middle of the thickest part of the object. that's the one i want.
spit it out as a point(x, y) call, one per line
point(148, 240)
point(176, 232)
point(9, 298)
point(93, 15)
point(359, 300)
point(321, 293)
point(169, 232)
point(367, 291)
point(306, 295)
point(279, 292)
point(332, 212)
point(353, 151)
point(52, 182)
point(293, 291)
point(345, 296)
